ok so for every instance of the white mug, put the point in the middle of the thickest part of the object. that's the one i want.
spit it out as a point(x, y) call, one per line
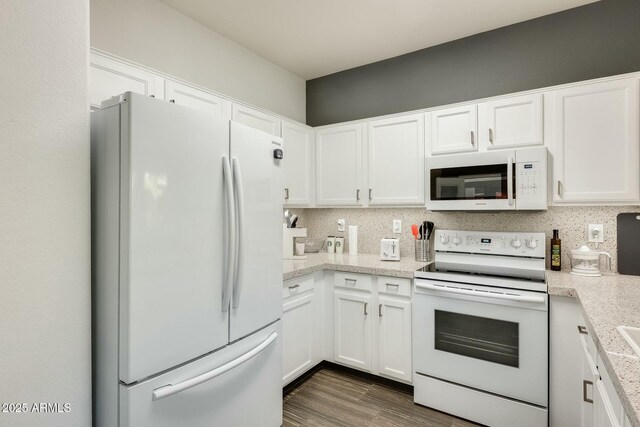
point(339, 245)
point(331, 242)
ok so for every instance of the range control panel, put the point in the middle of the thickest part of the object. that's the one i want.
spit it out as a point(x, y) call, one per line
point(491, 242)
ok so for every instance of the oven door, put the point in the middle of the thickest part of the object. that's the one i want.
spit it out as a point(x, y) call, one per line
point(487, 338)
point(481, 181)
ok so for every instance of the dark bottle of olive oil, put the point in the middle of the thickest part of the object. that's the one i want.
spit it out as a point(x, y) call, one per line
point(556, 252)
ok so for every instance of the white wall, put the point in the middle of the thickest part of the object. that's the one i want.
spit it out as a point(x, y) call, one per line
point(45, 341)
point(153, 34)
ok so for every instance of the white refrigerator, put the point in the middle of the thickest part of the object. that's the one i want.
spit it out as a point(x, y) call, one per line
point(187, 268)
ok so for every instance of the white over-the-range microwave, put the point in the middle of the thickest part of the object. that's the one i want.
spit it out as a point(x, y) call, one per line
point(493, 181)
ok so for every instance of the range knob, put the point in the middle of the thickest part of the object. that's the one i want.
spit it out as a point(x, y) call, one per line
point(516, 243)
point(457, 240)
point(532, 244)
point(444, 239)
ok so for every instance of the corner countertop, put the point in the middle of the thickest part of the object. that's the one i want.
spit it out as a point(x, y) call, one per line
point(363, 263)
point(608, 302)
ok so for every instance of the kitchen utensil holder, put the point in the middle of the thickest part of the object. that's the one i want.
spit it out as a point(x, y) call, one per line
point(422, 250)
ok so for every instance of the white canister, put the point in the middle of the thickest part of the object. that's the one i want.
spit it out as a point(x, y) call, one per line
point(339, 245)
point(353, 240)
point(331, 243)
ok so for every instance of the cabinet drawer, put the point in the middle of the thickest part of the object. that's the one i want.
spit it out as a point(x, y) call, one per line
point(297, 286)
point(353, 281)
point(394, 286)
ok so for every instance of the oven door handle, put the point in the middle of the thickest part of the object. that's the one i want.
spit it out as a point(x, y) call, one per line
point(471, 292)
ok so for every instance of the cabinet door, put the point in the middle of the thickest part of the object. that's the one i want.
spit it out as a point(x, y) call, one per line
point(595, 147)
point(394, 338)
point(511, 122)
point(590, 377)
point(338, 166)
point(298, 336)
point(396, 161)
point(603, 412)
point(298, 164)
point(256, 119)
point(453, 130)
point(352, 329)
point(109, 77)
point(196, 98)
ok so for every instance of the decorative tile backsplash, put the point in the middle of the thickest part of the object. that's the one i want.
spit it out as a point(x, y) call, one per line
point(376, 223)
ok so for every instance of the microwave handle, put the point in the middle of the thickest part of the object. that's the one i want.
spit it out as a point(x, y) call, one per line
point(510, 181)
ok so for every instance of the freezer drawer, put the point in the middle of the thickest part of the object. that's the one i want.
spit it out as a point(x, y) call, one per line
point(244, 394)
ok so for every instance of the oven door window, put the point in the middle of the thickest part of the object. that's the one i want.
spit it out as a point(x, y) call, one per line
point(478, 337)
point(485, 182)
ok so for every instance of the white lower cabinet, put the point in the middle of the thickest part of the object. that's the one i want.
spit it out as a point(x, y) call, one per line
point(581, 394)
point(372, 324)
point(394, 338)
point(352, 329)
point(301, 321)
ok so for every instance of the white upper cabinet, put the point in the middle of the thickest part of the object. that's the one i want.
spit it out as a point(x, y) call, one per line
point(453, 130)
point(298, 164)
point(109, 77)
point(511, 122)
point(595, 143)
point(338, 166)
point(256, 119)
point(396, 161)
point(196, 98)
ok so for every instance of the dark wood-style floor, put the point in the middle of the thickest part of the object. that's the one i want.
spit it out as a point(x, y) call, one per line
point(331, 398)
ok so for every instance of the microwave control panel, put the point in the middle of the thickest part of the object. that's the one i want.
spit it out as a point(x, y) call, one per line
point(528, 181)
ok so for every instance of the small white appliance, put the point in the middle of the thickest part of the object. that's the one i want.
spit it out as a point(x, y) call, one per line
point(586, 261)
point(390, 249)
point(480, 328)
point(187, 266)
point(496, 181)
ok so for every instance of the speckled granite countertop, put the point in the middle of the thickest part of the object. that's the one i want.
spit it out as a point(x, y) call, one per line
point(363, 263)
point(608, 302)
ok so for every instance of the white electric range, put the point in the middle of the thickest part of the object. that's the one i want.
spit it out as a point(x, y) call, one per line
point(480, 328)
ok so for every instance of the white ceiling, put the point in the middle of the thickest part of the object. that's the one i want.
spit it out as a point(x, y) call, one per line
point(313, 38)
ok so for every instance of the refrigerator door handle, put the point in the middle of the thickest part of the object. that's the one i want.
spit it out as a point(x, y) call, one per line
point(170, 389)
point(240, 233)
point(231, 233)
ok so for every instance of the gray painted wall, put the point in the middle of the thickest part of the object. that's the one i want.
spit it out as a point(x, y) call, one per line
point(596, 40)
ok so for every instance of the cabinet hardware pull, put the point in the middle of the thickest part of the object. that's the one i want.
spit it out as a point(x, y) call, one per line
point(286, 194)
point(346, 280)
point(370, 193)
point(358, 195)
point(559, 188)
point(583, 330)
point(473, 143)
point(586, 383)
point(173, 101)
point(491, 136)
point(292, 287)
point(393, 284)
point(152, 96)
point(365, 308)
point(380, 310)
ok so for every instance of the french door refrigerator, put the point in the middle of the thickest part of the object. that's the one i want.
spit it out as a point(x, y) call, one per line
point(187, 268)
